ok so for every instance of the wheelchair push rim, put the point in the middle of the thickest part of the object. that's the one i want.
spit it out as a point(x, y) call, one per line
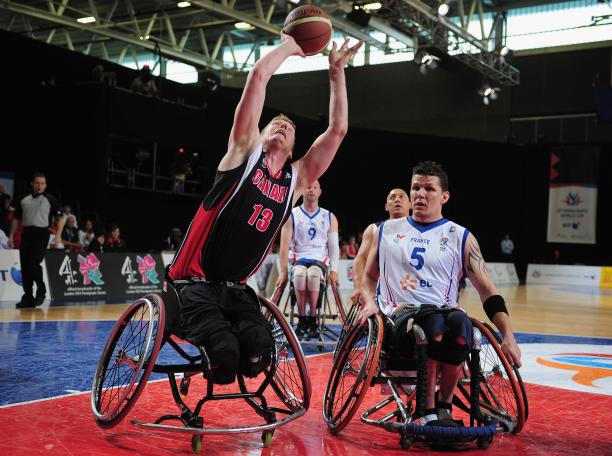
point(291, 381)
point(501, 390)
point(338, 415)
point(127, 360)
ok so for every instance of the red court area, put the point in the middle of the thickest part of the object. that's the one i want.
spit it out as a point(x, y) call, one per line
point(561, 422)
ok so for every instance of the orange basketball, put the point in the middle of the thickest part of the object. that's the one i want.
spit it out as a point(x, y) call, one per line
point(310, 28)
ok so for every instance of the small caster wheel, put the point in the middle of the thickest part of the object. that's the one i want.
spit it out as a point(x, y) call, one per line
point(196, 443)
point(266, 438)
point(483, 442)
point(405, 442)
point(320, 348)
point(184, 386)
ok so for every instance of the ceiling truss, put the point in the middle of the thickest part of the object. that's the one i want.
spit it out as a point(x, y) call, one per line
point(203, 34)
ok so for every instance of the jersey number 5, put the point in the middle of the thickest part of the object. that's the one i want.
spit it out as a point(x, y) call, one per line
point(417, 255)
point(261, 218)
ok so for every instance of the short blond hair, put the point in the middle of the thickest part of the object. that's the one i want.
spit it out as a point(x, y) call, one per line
point(282, 116)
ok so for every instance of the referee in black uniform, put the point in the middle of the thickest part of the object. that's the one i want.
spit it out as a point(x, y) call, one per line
point(36, 212)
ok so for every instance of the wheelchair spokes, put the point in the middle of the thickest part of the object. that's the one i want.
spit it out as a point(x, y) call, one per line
point(290, 380)
point(127, 361)
point(354, 366)
point(501, 391)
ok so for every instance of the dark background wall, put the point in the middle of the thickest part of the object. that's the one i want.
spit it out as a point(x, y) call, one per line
point(62, 124)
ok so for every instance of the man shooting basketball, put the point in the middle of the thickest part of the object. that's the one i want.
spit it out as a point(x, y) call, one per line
point(252, 196)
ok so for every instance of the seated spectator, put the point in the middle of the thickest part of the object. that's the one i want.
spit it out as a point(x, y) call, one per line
point(3, 240)
point(7, 213)
point(97, 244)
point(70, 235)
point(353, 248)
point(173, 242)
point(67, 211)
point(86, 234)
point(114, 243)
point(344, 250)
point(104, 77)
point(52, 230)
point(144, 82)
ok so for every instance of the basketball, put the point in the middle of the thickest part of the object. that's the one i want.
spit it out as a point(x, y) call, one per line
point(310, 28)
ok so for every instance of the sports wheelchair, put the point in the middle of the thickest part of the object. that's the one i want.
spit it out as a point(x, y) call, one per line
point(490, 390)
point(327, 335)
point(130, 356)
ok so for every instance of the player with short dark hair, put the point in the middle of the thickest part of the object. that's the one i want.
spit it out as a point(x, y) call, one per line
point(420, 260)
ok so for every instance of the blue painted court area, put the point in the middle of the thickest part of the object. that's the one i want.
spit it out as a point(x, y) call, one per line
point(54, 358)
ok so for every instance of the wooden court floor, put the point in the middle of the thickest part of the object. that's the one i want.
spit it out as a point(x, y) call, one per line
point(562, 310)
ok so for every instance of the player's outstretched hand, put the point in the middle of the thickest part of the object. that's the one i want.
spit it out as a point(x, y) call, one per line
point(339, 57)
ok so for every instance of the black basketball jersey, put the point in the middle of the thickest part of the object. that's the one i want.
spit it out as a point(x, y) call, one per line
point(237, 222)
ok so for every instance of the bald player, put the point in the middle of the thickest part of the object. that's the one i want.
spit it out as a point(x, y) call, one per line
point(398, 206)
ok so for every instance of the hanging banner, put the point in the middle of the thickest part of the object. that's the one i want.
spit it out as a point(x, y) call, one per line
point(104, 276)
point(572, 200)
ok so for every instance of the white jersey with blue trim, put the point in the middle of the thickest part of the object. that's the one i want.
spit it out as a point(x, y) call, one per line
point(310, 231)
point(419, 264)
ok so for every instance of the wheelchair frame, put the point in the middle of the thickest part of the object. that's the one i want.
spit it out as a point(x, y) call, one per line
point(323, 312)
point(359, 356)
point(130, 355)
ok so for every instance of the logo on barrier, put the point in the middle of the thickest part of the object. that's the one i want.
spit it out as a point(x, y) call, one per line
point(67, 273)
point(536, 274)
point(573, 199)
point(90, 269)
point(589, 366)
point(14, 273)
point(128, 272)
point(349, 273)
point(146, 268)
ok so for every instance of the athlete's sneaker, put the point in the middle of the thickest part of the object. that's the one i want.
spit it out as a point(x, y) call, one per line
point(313, 328)
point(301, 328)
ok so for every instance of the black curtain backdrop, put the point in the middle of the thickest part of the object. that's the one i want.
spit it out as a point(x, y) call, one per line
point(61, 123)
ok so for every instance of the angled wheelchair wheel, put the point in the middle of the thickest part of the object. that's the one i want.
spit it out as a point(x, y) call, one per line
point(290, 381)
point(501, 390)
point(127, 360)
point(347, 325)
point(352, 372)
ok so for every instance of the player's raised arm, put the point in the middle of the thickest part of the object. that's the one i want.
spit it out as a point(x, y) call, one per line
point(323, 150)
point(245, 130)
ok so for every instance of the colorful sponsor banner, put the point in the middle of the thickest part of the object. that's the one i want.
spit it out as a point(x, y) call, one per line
point(501, 273)
point(104, 276)
point(572, 200)
point(10, 276)
point(605, 281)
point(552, 274)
